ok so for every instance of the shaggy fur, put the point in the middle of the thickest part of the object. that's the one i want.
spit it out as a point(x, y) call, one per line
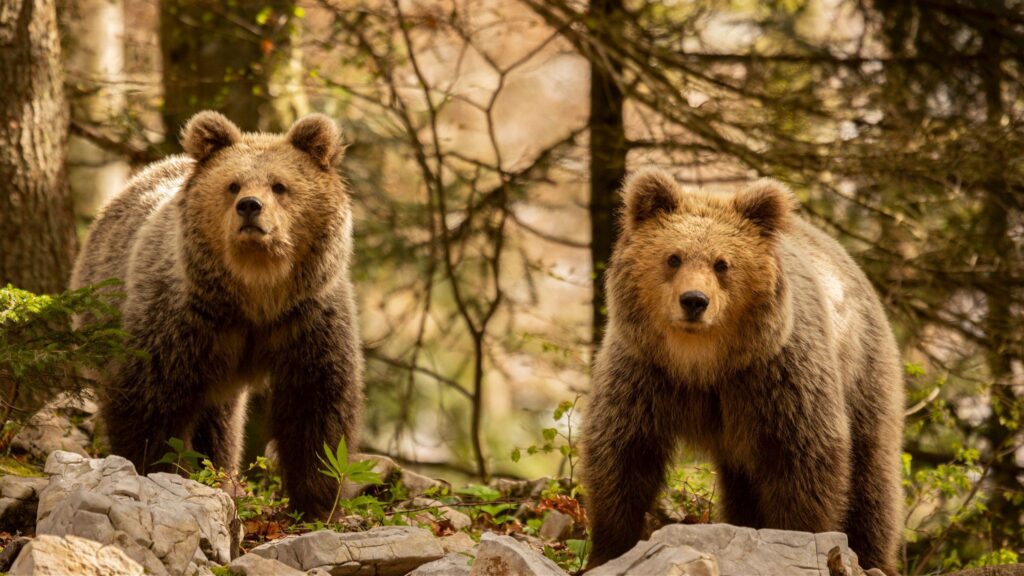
point(219, 308)
point(790, 381)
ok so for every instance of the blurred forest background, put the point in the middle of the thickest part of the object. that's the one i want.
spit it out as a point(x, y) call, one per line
point(488, 140)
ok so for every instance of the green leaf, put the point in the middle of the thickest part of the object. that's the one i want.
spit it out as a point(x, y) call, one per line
point(549, 434)
point(516, 455)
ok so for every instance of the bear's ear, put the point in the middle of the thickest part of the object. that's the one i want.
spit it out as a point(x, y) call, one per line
point(768, 204)
point(207, 132)
point(320, 137)
point(647, 193)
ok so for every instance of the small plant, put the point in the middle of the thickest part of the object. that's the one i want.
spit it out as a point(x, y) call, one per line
point(497, 512)
point(691, 491)
point(571, 556)
point(184, 460)
point(42, 354)
point(566, 447)
point(337, 466)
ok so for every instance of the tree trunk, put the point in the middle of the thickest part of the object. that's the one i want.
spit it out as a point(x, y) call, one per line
point(608, 151)
point(238, 59)
point(37, 229)
point(94, 63)
point(1001, 320)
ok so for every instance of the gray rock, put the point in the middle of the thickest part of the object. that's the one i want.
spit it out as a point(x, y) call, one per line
point(10, 553)
point(63, 424)
point(19, 497)
point(384, 551)
point(505, 556)
point(657, 558)
point(451, 564)
point(169, 524)
point(458, 520)
point(528, 488)
point(255, 565)
point(59, 556)
point(459, 542)
point(556, 526)
point(749, 552)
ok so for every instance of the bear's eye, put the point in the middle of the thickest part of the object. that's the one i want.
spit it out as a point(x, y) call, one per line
point(279, 188)
point(234, 187)
point(674, 261)
point(721, 265)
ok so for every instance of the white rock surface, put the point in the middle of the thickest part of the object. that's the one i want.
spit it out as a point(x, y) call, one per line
point(169, 524)
point(505, 556)
point(451, 564)
point(256, 565)
point(657, 558)
point(61, 556)
point(63, 424)
point(384, 551)
point(749, 552)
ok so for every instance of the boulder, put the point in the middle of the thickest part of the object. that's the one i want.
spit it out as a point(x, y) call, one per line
point(64, 424)
point(505, 556)
point(256, 565)
point(745, 551)
point(19, 498)
point(451, 564)
point(656, 558)
point(166, 523)
point(383, 551)
point(556, 526)
point(428, 507)
point(59, 556)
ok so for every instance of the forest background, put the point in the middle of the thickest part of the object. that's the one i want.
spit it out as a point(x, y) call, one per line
point(488, 139)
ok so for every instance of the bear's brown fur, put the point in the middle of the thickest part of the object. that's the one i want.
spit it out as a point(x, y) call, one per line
point(789, 380)
point(222, 300)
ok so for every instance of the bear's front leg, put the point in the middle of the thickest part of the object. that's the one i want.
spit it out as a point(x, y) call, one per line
point(627, 442)
point(315, 398)
point(149, 400)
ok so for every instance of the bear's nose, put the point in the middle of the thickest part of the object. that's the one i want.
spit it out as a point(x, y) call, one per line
point(694, 303)
point(249, 207)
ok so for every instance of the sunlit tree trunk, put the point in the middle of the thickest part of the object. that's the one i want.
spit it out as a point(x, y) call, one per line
point(1001, 319)
point(93, 32)
point(608, 151)
point(37, 231)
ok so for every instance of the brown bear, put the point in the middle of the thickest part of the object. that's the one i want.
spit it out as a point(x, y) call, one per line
point(741, 329)
point(235, 260)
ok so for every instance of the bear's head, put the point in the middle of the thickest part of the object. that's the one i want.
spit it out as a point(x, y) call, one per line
point(263, 202)
point(696, 267)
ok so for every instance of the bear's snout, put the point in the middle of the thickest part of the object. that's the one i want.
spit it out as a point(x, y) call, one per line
point(694, 303)
point(249, 208)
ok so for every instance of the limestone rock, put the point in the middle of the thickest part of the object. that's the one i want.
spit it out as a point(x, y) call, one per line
point(656, 558)
point(59, 556)
point(169, 524)
point(459, 542)
point(505, 556)
point(64, 424)
point(458, 520)
point(19, 497)
point(255, 565)
point(384, 551)
point(556, 526)
point(391, 473)
point(749, 552)
point(451, 564)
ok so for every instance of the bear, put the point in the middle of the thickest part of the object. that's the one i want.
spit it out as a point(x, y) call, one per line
point(235, 262)
point(742, 330)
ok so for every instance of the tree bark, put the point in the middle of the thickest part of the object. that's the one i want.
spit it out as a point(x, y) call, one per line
point(93, 32)
point(37, 228)
point(608, 151)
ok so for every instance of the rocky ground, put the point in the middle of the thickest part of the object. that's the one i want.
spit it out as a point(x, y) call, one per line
point(97, 516)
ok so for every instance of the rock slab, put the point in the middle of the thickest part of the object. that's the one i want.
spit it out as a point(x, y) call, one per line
point(166, 523)
point(748, 552)
point(506, 556)
point(19, 497)
point(59, 556)
point(383, 551)
point(656, 558)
